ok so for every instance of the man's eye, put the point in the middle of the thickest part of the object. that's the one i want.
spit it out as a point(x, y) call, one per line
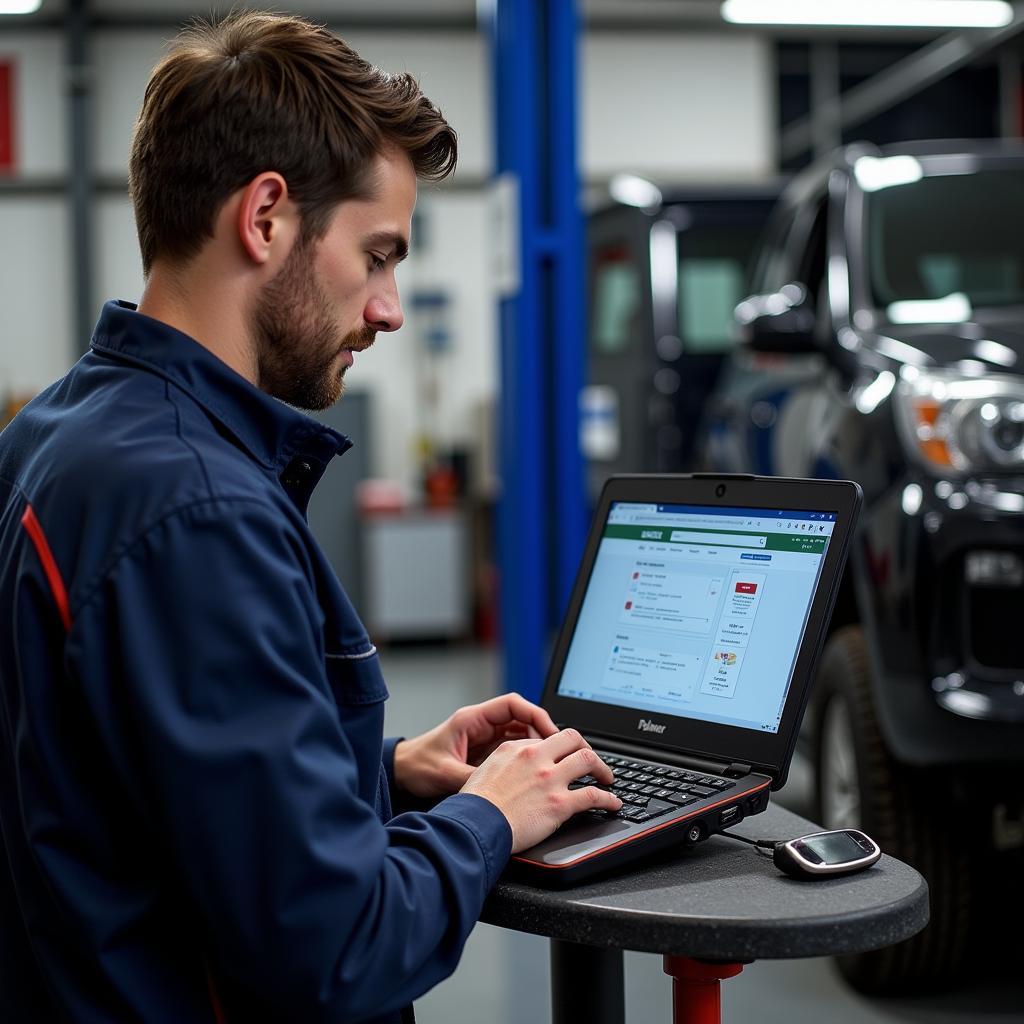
point(377, 262)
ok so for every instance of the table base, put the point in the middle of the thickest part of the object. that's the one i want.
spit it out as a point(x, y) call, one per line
point(696, 988)
point(586, 984)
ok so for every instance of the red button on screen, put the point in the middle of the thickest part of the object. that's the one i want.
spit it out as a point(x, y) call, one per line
point(746, 588)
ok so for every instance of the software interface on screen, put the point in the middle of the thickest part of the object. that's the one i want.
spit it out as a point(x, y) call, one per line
point(697, 611)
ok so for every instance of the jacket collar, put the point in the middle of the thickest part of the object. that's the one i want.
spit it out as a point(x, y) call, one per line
point(271, 431)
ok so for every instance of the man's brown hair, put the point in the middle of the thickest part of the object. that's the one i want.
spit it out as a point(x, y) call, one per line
point(264, 92)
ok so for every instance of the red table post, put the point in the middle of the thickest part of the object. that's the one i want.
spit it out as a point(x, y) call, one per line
point(696, 995)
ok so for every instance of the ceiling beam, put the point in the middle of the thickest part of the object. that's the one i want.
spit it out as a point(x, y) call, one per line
point(904, 79)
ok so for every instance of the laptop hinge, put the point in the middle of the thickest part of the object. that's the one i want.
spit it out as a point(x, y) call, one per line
point(737, 770)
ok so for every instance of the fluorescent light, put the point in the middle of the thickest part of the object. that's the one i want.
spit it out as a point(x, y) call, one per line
point(20, 6)
point(891, 13)
point(630, 190)
point(874, 172)
point(954, 308)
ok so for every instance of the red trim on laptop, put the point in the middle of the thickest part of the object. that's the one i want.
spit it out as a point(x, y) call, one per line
point(53, 577)
point(639, 835)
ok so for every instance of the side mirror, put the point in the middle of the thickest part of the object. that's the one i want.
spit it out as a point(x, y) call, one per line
point(780, 322)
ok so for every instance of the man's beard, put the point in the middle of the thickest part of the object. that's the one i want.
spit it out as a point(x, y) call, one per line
point(297, 341)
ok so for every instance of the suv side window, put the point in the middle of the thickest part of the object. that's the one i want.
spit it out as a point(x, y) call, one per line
point(615, 298)
point(811, 266)
point(773, 266)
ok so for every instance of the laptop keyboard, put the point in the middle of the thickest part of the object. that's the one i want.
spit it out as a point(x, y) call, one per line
point(648, 790)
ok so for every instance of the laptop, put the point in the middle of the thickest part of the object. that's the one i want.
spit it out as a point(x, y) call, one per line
point(687, 654)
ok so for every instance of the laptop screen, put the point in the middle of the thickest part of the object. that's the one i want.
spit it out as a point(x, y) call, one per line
point(697, 611)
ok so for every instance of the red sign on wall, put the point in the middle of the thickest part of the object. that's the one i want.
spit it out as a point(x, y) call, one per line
point(7, 117)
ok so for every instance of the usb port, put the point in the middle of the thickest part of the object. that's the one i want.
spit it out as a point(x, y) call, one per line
point(728, 815)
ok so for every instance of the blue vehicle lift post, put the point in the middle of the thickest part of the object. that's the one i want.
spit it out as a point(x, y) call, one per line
point(542, 510)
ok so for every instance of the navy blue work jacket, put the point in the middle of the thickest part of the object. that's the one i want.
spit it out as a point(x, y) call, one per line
point(194, 814)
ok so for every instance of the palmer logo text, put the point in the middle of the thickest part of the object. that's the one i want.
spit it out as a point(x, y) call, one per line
point(646, 725)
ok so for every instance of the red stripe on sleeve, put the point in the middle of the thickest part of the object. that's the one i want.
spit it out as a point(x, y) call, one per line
point(218, 1010)
point(53, 577)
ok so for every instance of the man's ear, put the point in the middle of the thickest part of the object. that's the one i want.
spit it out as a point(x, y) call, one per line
point(267, 218)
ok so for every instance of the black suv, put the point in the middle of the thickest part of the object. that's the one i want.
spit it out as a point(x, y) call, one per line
point(884, 342)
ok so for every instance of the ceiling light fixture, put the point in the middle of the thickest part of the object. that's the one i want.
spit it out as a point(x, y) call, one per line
point(878, 13)
point(631, 190)
point(20, 6)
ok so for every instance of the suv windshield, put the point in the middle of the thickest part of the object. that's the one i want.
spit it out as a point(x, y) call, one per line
point(950, 235)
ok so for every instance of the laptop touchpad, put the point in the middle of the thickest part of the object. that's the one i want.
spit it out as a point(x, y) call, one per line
point(573, 838)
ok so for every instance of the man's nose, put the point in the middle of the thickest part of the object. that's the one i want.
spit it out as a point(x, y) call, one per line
point(384, 312)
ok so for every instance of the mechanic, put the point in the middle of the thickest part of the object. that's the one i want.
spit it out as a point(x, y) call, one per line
point(195, 798)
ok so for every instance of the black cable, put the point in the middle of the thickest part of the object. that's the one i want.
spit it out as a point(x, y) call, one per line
point(765, 847)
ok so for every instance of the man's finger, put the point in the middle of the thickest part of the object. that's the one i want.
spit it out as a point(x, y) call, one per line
point(585, 762)
point(480, 752)
point(533, 715)
point(564, 743)
point(517, 731)
point(512, 707)
point(589, 798)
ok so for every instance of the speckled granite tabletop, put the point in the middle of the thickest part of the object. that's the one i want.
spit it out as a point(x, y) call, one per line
point(722, 900)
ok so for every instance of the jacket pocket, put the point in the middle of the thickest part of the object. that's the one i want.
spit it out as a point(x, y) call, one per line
point(355, 676)
point(357, 686)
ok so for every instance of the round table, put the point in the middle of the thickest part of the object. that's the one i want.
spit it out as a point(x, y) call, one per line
point(708, 909)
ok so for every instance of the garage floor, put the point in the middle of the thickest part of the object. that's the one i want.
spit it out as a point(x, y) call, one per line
point(503, 977)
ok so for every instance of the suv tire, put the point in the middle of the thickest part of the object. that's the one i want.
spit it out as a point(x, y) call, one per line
point(859, 785)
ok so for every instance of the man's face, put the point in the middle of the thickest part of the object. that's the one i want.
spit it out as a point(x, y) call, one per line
point(335, 293)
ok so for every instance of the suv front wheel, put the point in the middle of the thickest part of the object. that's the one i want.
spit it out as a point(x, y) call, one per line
point(859, 785)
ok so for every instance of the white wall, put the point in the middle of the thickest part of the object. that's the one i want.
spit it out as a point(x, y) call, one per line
point(117, 273)
point(35, 335)
point(456, 229)
point(671, 106)
point(122, 62)
point(39, 112)
point(676, 107)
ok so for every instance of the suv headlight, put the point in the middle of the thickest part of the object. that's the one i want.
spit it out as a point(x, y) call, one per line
point(964, 424)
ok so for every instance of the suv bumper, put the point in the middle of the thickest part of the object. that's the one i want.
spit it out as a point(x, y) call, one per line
point(943, 586)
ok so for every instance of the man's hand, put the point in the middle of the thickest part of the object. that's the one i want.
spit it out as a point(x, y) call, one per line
point(441, 761)
point(527, 780)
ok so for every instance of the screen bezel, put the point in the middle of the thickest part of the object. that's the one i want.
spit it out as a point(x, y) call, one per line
point(769, 753)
